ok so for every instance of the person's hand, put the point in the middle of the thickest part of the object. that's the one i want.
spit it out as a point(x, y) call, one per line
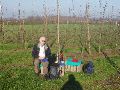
point(33, 61)
point(41, 57)
point(46, 47)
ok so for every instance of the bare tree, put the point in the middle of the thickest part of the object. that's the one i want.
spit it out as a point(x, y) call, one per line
point(88, 28)
point(21, 32)
point(1, 22)
point(46, 19)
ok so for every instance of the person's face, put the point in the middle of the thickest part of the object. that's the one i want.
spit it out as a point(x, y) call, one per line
point(42, 40)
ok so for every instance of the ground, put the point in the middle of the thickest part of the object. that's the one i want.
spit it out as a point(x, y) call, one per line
point(16, 66)
point(16, 73)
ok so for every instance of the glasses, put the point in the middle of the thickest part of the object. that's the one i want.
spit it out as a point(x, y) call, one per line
point(43, 41)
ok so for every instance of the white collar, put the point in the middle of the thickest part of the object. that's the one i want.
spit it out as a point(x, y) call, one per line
point(39, 45)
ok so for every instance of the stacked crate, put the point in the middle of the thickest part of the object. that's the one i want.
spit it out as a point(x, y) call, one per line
point(73, 66)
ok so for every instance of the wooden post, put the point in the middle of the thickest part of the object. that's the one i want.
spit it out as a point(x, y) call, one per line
point(69, 68)
point(88, 28)
point(74, 69)
point(1, 22)
point(58, 29)
point(19, 29)
point(78, 68)
point(24, 32)
point(101, 27)
point(81, 66)
point(46, 19)
point(66, 68)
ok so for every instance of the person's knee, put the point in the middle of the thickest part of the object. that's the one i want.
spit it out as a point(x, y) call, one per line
point(36, 62)
point(35, 66)
point(45, 64)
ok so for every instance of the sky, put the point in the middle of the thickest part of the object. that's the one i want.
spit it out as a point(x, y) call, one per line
point(67, 7)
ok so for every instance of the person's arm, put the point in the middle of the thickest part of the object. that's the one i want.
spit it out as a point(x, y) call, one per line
point(35, 52)
point(48, 52)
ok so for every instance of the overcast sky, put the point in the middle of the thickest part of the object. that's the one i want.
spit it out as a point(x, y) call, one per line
point(35, 7)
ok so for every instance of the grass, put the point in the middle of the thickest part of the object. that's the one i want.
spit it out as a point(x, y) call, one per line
point(16, 73)
point(16, 67)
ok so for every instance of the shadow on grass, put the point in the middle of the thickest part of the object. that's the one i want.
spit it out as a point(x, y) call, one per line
point(72, 84)
point(111, 62)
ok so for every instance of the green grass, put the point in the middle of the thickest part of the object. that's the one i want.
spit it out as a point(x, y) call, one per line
point(16, 68)
point(17, 73)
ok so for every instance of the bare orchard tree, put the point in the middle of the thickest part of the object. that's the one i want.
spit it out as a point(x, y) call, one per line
point(1, 23)
point(21, 32)
point(88, 28)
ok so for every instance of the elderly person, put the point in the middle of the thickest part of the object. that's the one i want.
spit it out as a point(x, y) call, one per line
point(40, 54)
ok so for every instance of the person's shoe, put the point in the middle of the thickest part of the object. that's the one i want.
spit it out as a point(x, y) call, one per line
point(37, 74)
point(46, 76)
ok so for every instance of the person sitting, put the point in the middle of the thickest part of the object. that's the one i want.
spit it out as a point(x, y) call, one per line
point(40, 54)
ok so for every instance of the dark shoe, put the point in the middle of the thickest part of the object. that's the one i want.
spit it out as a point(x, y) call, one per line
point(41, 76)
point(46, 76)
point(37, 74)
